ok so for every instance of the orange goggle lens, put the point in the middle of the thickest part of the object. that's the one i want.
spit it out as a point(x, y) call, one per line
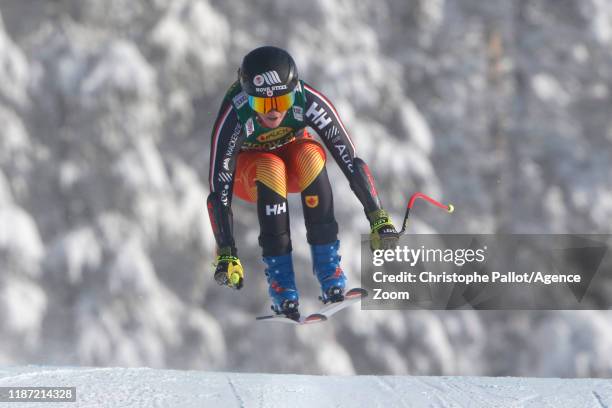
point(265, 105)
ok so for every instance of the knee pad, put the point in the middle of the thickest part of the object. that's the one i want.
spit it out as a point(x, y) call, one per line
point(318, 234)
point(275, 245)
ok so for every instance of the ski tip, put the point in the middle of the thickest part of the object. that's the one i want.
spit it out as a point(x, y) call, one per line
point(356, 292)
point(315, 318)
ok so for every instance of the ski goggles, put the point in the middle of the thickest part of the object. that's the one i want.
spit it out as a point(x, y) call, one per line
point(265, 105)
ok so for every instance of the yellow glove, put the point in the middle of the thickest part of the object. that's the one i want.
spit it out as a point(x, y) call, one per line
point(383, 234)
point(229, 272)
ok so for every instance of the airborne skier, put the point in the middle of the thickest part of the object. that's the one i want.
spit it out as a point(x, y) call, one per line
point(261, 151)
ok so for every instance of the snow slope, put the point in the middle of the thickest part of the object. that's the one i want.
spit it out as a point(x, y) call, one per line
point(144, 387)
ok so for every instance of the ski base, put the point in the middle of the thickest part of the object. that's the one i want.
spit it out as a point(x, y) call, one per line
point(352, 296)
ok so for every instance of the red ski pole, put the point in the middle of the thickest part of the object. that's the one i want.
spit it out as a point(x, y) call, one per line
point(450, 208)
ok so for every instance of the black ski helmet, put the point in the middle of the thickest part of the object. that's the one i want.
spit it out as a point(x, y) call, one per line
point(268, 71)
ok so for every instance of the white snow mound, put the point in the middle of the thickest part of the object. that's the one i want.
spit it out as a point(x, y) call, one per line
point(145, 387)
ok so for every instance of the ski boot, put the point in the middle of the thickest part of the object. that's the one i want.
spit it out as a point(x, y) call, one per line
point(326, 266)
point(282, 289)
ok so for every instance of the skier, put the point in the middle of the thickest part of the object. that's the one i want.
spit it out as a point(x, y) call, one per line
point(261, 151)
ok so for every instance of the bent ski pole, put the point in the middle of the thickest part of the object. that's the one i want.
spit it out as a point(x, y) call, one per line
point(450, 208)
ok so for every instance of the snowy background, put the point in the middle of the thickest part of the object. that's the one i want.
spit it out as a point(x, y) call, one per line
point(502, 107)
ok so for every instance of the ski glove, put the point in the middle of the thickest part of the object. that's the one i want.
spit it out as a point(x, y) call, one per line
point(383, 234)
point(229, 272)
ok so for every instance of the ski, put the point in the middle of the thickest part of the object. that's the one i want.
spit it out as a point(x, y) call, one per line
point(313, 318)
point(352, 296)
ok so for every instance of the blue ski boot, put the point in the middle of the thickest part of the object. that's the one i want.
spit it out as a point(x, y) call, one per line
point(282, 290)
point(326, 265)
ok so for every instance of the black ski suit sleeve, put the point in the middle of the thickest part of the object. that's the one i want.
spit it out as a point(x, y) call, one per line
point(324, 119)
point(226, 139)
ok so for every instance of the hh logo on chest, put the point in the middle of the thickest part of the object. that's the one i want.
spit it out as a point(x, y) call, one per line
point(318, 115)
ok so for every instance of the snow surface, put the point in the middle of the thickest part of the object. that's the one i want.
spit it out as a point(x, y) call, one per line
point(145, 387)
